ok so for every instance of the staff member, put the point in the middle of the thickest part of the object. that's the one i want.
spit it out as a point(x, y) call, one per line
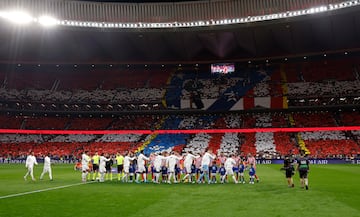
point(303, 168)
point(289, 170)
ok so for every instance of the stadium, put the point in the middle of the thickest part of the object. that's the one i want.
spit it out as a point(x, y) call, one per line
point(246, 84)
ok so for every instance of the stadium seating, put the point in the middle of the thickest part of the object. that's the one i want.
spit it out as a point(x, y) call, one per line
point(262, 144)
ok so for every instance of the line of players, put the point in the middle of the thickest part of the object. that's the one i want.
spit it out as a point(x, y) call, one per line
point(168, 167)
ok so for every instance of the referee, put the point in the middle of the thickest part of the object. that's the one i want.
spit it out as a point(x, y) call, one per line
point(95, 161)
point(120, 165)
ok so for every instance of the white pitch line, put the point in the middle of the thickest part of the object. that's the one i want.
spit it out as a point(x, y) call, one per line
point(41, 190)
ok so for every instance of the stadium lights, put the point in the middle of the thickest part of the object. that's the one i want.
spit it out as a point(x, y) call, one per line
point(18, 17)
point(48, 21)
point(22, 17)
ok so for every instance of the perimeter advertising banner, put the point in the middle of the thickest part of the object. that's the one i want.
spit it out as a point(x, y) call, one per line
point(312, 161)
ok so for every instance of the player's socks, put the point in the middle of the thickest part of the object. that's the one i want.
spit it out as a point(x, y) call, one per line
point(157, 177)
point(170, 176)
point(83, 177)
point(234, 179)
point(145, 177)
point(207, 177)
point(306, 187)
point(201, 176)
point(185, 177)
point(94, 175)
point(118, 176)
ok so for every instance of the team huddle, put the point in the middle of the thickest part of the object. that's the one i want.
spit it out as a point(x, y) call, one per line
point(169, 167)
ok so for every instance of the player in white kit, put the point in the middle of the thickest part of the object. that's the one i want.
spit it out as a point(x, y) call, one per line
point(171, 162)
point(85, 159)
point(128, 157)
point(102, 164)
point(205, 162)
point(141, 166)
point(157, 166)
point(30, 162)
point(229, 164)
point(188, 161)
point(47, 167)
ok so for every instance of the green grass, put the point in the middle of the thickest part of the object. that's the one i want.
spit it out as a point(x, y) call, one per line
point(334, 191)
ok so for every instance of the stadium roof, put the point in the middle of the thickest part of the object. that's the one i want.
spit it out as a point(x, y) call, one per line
point(140, 1)
point(316, 33)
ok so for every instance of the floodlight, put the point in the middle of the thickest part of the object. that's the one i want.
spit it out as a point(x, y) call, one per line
point(18, 17)
point(48, 21)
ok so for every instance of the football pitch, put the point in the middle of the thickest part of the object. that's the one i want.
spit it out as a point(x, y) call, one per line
point(334, 191)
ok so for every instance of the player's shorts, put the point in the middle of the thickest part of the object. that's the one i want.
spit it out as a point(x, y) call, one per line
point(157, 168)
point(84, 167)
point(198, 170)
point(95, 167)
point(141, 169)
point(303, 174)
point(46, 169)
point(289, 173)
point(229, 172)
point(102, 169)
point(126, 169)
point(171, 169)
point(120, 168)
point(188, 168)
point(205, 168)
point(164, 170)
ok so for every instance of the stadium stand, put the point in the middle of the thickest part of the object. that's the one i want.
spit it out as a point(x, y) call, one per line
point(131, 87)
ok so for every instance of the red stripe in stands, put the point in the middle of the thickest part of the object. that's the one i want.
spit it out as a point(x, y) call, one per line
point(192, 131)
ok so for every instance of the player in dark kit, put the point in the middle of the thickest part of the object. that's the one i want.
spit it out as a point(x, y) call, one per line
point(289, 170)
point(303, 168)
